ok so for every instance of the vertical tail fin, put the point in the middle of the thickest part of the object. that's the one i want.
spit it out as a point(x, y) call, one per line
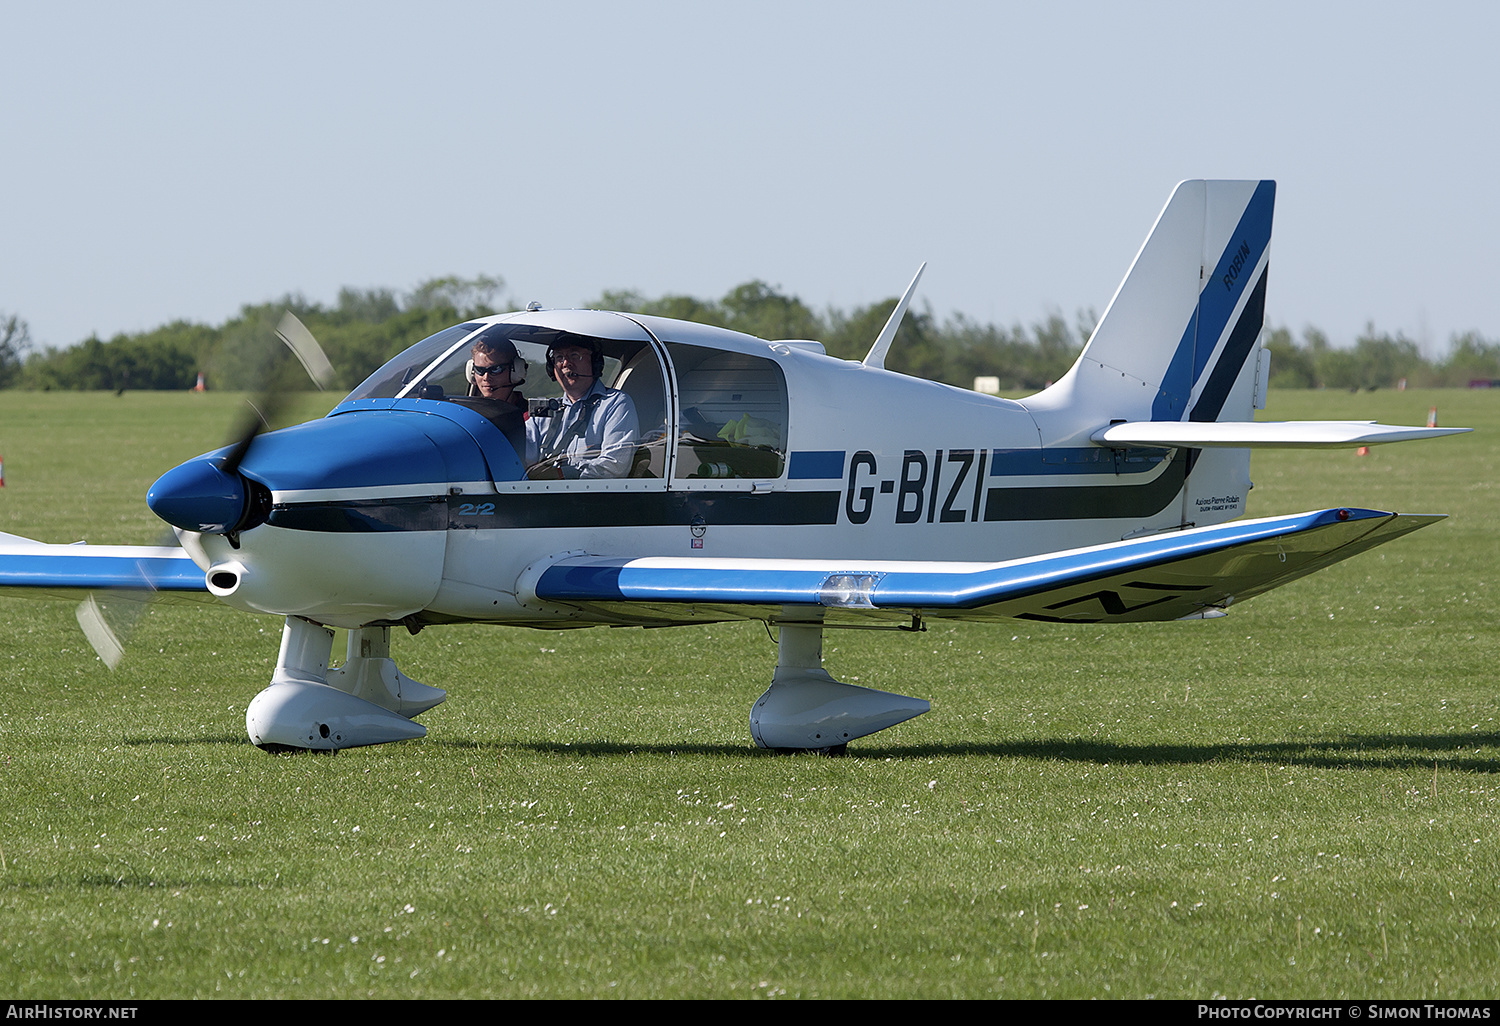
point(1179, 341)
point(1177, 336)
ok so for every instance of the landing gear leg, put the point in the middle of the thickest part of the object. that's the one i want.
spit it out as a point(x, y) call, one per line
point(805, 708)
point(370, 673)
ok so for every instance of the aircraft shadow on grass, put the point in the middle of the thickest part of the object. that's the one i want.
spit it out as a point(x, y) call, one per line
point(1353, 751)
point(1357, 751)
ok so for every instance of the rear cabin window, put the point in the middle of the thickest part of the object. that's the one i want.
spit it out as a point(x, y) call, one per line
point(733, 414)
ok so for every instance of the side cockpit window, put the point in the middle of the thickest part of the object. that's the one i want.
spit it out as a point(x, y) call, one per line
point(732, 414)
point(641, 379)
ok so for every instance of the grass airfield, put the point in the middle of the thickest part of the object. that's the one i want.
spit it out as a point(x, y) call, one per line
point(1297, 800)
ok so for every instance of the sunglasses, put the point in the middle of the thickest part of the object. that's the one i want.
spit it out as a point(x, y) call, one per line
point(494, 368)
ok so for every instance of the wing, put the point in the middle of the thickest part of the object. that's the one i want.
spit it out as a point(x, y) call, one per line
point(34, 569)
point(1185, 574)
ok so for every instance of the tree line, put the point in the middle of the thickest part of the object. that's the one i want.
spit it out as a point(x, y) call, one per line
point(366, 327)
point(1378, 360)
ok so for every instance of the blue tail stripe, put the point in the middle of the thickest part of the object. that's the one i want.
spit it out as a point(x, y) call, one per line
point(1216, 302)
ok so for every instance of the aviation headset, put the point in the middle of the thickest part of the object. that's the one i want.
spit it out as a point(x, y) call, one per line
point(500, 350)
point(591, 344)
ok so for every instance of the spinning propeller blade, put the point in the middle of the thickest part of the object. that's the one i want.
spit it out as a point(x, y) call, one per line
point(302, 344)
point(105, 640)
point(109, 619)
point(271, 395)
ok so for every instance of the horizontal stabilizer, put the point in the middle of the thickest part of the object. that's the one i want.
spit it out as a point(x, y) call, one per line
point(1162, 577)
point(1288, 434)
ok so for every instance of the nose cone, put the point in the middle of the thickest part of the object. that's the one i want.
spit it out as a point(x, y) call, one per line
point(198, 496)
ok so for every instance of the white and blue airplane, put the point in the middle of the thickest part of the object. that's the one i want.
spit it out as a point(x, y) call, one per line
point(768, 481)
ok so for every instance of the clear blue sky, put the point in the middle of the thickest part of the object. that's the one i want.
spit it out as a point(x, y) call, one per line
point(162, 161)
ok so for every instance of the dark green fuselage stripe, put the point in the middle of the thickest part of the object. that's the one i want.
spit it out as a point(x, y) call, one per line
point(561, 509)
point(1098, 502)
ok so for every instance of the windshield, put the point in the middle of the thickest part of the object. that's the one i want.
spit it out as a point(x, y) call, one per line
point(397, 373)
point(450, 377)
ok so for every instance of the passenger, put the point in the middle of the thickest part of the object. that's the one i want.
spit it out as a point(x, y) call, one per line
point(591, 432)
point(497, 371)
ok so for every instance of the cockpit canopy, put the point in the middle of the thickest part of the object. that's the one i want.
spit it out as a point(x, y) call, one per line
point(731, 416)
point(436, 367)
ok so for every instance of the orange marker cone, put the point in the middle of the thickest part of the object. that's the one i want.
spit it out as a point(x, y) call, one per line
point(1432, 417)
point(1363, 450)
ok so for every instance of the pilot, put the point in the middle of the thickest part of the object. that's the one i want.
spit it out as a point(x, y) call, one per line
point(496, 369)
point(591, 432)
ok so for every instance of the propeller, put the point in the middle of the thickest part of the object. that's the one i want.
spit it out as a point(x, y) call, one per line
point(272, 394)
point(211, 496)
point(109, 620)
point(204, 495)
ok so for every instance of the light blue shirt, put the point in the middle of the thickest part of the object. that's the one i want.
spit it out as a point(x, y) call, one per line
point(596, 437)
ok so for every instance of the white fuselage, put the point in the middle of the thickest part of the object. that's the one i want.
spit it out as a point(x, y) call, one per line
point(875, 465)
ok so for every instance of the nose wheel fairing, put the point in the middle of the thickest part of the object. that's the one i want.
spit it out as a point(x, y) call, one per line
point(308, 706)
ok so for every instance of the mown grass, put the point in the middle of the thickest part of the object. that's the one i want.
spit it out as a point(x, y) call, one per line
point(1298, 800)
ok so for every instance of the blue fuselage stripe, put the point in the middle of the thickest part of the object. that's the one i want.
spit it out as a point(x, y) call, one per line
point(1063, 461)
point(816, 466)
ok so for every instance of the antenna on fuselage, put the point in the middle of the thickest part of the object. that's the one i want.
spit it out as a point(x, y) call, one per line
point(876, 356)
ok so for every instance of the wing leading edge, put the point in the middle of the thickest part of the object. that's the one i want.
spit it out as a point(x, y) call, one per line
point(37, 570)
point(1164, 577)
